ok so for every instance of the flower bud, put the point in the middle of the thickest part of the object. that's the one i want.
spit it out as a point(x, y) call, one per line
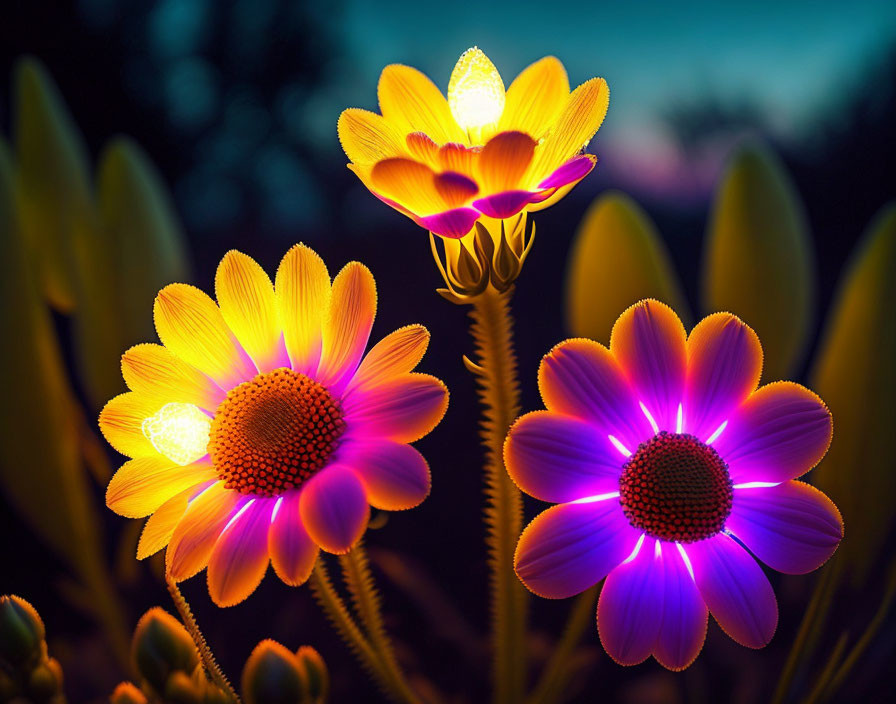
point(182, 689)
point(21, 632)
point(127, 693)
point(316, 674)
point(161, 646)
point(45, 681)
point(272, 675)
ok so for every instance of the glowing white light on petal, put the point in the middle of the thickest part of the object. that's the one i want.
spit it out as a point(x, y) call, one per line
point(238, 514)
point(619, 446)
point(657, 550)
point(653, 424)
point(475, 92)
point(636, 550)
point(755, 485)
point(597, 497)
point(276, 509)
point(715, 436)
point(686, 559)
point(179, 431)
point(679, 420)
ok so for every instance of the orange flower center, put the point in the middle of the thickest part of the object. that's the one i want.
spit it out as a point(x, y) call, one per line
point(274, 432)
point(676, 488)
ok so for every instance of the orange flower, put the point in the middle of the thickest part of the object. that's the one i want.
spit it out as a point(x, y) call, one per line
point(483, 151)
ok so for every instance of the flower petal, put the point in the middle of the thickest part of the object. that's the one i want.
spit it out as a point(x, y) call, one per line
point(334, 509)
point(455, 189)
point(412, 103)
point(404, 408)
point(683, 626)
point(293, 552)
point(582, 378)
point(410, 183)
point(395, 476)
point(159, 527)
point(302, 288)
point(793, 527)
point(191, 325)
point(780, 432)
point(246, 298)
point(535, 98)
point(453, 224)
point(570, 173)
point(459, 158)
point(367, 137)
point(630, 607)
point(650, 344)
point(571, 547)
point(141, 485)
point(121, 422)
point(505, 204)
point(397, 353)
point(724, 364)
point(422, 148)
point(156, 372)
point(504, 160)
point(347, 327)
point(240, 556)
point(198, 530)
point(735, 589)
point(558, 458)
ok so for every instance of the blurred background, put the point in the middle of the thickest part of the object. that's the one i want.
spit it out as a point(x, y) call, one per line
point(235, 103)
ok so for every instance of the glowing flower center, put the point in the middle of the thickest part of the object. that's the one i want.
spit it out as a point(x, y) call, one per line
point(676, 488)
point(274, 432)
point(475, 93)
point(179, 431)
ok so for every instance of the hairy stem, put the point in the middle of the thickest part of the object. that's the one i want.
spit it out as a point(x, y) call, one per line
point(496, 372)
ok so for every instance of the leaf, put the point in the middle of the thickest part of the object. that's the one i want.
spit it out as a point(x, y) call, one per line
point(759, 263)
point(855, 375)
point(617, 259)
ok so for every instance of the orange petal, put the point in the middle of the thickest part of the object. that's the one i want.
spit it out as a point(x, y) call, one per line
point(293, 552)
point(347, 327)
point(191, 325)
point(240, 556)
point(455, 189)
point(412, 103)
point(156, 372)
point(141, 485)
point(303, 296)
point(575, 126)
point(397, 353)
point(535, 98)
point(409, 183)
point(422, 148)
point(121, 422)
point(248, 306)
point(504, 160)
point(458, 158)
point(367, 137)
point(159, 527)
point(198, 530)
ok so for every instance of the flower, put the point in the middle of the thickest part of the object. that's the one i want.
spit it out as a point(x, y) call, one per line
point(669, 465)
point(260, 431)
point(481, 152)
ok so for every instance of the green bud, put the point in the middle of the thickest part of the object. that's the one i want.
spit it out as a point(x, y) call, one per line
point(182, 689)
point(162, 646)
point(316, 674)
point(45, 681)
point(272, 676)
point(21, 632)
point(127, 693)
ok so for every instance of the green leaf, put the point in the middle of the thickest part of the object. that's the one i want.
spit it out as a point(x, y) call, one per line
point(855, 374)
point(759, 261)
point(617, 259)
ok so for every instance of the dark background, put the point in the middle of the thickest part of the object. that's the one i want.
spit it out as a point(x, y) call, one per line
point(236, 102)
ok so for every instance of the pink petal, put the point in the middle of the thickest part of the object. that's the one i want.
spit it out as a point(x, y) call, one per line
point(240, 557)
point(573, 170)
point(395, 476)
point(451, 223)
point(504, 204)
point(293, 552)
point(792, 527)
point(334, 509)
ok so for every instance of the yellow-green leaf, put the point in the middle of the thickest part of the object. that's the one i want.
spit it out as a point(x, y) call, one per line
point(617, 259)
point(759, 262)
point(856, 376)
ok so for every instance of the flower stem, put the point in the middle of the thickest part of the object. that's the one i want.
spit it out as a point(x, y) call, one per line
point(205, 652)
point(496, 372)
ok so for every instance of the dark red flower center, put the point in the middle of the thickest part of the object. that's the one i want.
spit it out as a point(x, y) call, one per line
point(274, 432)
point(676, 488)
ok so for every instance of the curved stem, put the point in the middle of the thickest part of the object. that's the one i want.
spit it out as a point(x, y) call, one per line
point(205, 653)
point(496, 373)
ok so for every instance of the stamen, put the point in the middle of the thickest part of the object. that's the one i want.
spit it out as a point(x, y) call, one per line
point(679, 420)
point(715, 436)
point(653, 424)
point(596, 498)
point(636, 550)
point(755, 485)
point(619, 446)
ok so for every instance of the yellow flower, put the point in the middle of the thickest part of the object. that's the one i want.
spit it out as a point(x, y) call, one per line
point(483, 151)
point(259, 431)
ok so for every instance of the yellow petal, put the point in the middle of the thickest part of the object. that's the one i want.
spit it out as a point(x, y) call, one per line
point(145, 483)
point(535, 98)
point(156, 372)
point(347, 327)
point(504, 160)
point(246, 297)
point(397, 353)
point(121, 422)
point(198, 529)
point(191, 325)
point(367, 137)
point(412, 103)
point(575, 126)
point(159, 527)
point(410, 183)
point(302, 288)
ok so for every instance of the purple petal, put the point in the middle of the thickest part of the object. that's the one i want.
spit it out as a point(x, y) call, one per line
point(505, 204)
point(558, 458)
point(735, 589)
point(683, 626)
point(779, 433)
point(334, 509)
point(240, 556)
point(451, 223)
point(292, 550)
point(573, 170)
point(571, 547)
point(792, 527)
point(631, 607)
point(395, 476)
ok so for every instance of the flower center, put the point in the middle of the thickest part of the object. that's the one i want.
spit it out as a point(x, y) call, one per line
point(676, 488)
point(274, 432)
